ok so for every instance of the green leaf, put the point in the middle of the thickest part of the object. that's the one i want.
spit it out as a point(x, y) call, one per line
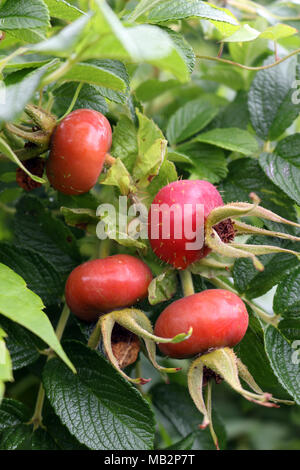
point(290, 328)
point(225, 75)
point(246, 176)
point(143, 43)
point(183, 47)
point(175, 404)
point(251, 351)
point(63, 43)
point(23, 346)
point(5, 364)
point(119, 176)
point(209, 162)
point(151, 151)
point(149, 89)
point(63, 10)
point(39, 275)
point(108, 73)
point(282, 358)
point(162, 287)
point(97, 405)
point(36, 228)
point(18, 94)
point(21, 14)
point(124, 142)
point(74, 216)
point(12, 412)
point(254, 283)
point(283, 166)
point(190, 119)
point(287, 298)
point(166, 175)
point(234, 139)
point(89, 98)
point(184, 444)
point(278, 31)
point(22, 437)
point(142, 7)
point(244, 34)
point(270, 100)
point(59, 433)
point(180, 9)
point(8, 152)
point(21, 305)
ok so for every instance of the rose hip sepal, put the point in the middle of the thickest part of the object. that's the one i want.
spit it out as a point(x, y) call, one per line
point(184, 211)
point(138, 323)
point(219, 320)
point(234, 211)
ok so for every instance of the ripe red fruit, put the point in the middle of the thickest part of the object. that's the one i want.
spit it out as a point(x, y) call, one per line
point(102, 285)
point(218, 317)
point(180, 194)
point(77, 152)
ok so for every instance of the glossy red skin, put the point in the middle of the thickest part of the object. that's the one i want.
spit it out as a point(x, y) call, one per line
point(77, 152)
point(219, 319)
point(102, 285)
point(173, 251)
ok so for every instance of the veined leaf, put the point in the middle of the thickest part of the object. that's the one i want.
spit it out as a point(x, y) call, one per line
point(21, 305)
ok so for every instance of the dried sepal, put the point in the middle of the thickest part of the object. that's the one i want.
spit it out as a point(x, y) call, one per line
point(139, 324)
point(42, 118)
point(107, 323)
point(195, 384)
point(236, 250)
point(224, 363)
point(136, 321)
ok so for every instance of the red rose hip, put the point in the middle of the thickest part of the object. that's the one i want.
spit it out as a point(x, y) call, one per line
point(186, 197)
point(219, 319)
point(77, 153)
point(103, 285)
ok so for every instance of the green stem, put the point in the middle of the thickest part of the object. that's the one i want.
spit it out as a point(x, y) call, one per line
point(37, 418)
point(5, 61)
point(273, 320)
point(60, 72)
point(187, 282)
point(62, 322)
point(70, 108)
point(209, 411)
point(94, 339)
point(246, 67)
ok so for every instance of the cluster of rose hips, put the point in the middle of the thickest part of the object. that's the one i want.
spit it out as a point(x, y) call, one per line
point(204, 325)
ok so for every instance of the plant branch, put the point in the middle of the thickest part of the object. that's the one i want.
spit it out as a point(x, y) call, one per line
point(247, 67)
point(187, 282)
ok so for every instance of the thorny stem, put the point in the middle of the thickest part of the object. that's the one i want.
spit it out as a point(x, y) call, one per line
point(273, 320)
point(187, 282)
point(247, 67)
point(37, 418)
